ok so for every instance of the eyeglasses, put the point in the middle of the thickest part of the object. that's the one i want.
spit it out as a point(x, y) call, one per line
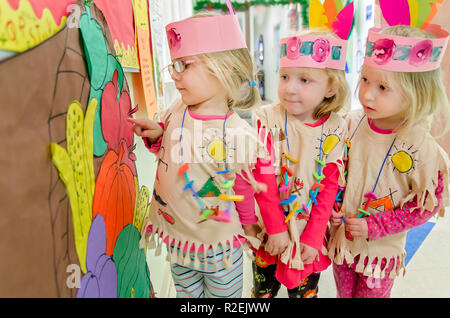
point(179, 65)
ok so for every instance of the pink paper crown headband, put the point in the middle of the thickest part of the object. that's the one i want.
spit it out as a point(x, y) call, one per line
point(205, 35)
point(405, 54)
point(313, 51)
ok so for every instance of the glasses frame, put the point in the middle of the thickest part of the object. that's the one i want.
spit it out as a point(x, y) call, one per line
point(180, 65)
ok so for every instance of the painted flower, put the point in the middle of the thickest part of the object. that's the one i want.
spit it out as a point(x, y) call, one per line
point(383, 50)
point(174, 39)
point(292, 48)
point(421, 52)
point(321, 49)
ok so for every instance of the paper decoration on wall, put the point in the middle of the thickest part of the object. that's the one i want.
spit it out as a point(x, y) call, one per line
point(102, 65)
point(36, 231)
point(119, 16)
point(132, 272)
point(76, 170)
point(101, 278)
point(145, 56)
point(26, 23)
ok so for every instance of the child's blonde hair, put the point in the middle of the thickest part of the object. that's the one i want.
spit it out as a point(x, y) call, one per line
point(424, 92)
point(235, 70)
point(336, 78)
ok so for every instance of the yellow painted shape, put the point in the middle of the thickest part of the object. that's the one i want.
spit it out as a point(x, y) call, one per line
point(142, 206)
point(76, 169)
point(402, 161)
point(317, 17)
point(413, 12)
point(21, 29)
point(329, 143)
point(225, 197)
point(216, 149)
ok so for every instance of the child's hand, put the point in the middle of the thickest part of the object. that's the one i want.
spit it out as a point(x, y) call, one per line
point(251, 230)
point(336, 218)
point(357, 227)
point(309, 254)
point(277, 243)
point(146, 128)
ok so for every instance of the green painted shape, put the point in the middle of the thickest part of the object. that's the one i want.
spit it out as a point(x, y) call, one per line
point(101, 67)
point(133, 277)
point(209, 187)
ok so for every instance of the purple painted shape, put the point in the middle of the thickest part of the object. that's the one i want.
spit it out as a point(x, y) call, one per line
point(101, 278)
point(89, 287)
point(107, 276)
point(96, 242)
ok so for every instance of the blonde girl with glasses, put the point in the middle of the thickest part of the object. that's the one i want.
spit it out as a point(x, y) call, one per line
point(203, 200)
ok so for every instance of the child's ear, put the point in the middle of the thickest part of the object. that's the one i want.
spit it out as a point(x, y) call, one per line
point(331, 91)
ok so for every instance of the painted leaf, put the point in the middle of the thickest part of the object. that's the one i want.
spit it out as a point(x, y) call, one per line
point(133, 276)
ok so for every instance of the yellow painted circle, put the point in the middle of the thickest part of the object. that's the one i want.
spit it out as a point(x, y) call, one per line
point(216, 149)
point(329, 143)
point(402, 161)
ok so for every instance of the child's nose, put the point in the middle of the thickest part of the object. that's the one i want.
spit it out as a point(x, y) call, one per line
point(368, 94)
point(175, 76)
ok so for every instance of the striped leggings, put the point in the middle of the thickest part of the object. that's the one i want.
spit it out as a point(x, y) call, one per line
point(206, 282)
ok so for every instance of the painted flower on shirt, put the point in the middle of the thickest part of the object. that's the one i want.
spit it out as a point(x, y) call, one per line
point(421, 52)
point(383, 50)
point(321, 49)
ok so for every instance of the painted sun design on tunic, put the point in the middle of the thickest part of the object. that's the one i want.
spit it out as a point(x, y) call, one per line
point(402, 157)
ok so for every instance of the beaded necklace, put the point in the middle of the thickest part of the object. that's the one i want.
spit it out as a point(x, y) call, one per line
point(317, 187)
point(227, 185)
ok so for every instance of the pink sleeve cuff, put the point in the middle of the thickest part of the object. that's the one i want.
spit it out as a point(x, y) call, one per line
point(154, 147)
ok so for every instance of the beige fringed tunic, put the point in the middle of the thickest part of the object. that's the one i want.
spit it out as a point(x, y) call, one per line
point(411, 169)
point(175, 214)
point(304, 146)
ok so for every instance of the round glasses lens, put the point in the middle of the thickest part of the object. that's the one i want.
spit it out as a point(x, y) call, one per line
point(179, 66)
point(170, 69)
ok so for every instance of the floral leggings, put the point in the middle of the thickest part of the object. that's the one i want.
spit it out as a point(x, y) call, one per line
point(350, 284)
point(265, 285)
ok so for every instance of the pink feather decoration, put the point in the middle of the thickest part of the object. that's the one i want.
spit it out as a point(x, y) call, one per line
point(395, 11)
point(343, 25)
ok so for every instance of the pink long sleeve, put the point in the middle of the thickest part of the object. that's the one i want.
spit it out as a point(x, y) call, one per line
point(154, 147)
point(269, 201)
point(315, 229)
point(391, 222)
point(246, 207)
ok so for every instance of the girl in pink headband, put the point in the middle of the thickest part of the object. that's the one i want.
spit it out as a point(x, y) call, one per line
point(203, 200)
point(306, 138)
point(397, 173)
